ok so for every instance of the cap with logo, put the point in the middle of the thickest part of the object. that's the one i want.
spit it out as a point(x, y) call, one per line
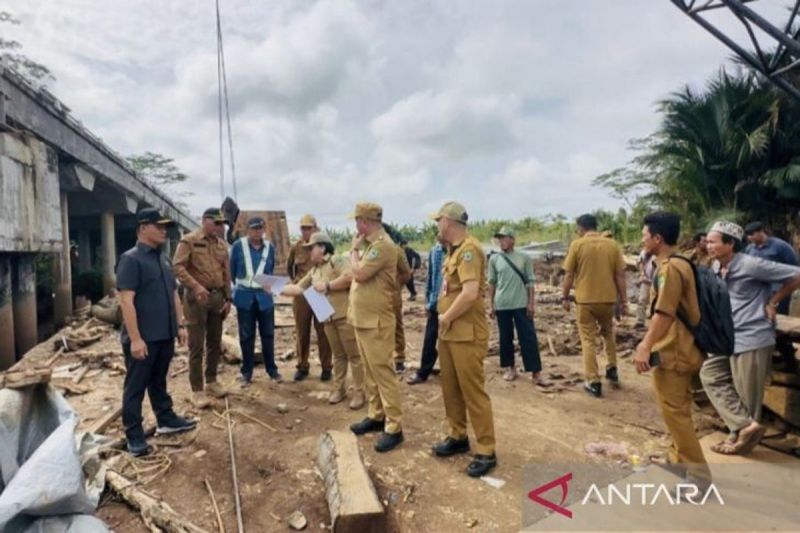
point(728, 228)
point(255, 222)
point(150, 215)
point(367, 210)
point(453, 211)
point(214, 213)
point(308, 221)
point(318, 238)
point(505, 231)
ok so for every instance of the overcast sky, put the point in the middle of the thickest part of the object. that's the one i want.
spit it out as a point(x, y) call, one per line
point(511, 107)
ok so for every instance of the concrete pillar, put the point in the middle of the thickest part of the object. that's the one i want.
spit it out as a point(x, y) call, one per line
point(84, 250)
point(7, 349)
point(108, 236)
point(62, 270)
point(23, 295)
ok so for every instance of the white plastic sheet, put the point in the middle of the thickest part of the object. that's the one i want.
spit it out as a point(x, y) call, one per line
point(42, 482)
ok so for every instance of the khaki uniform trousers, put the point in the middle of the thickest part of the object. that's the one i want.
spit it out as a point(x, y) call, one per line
point(674, 396)
point(342, 339)
point(303, 318)
point(399, 330)
point(204, 329)
point(591, 319)
point(380, 381)
point(735, 385)
point(464, 391)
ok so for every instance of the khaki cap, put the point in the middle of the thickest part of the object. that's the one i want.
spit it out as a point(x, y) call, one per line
point(308, 221)
point(505, 231)
point(368, 211)
point(453, 211)
point(318, 238)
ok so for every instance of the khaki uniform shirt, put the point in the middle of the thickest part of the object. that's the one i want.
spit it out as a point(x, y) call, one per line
point(677, 291)
point(464, 262)
point(371, 301)
point(203, 261)
point(299, 261)
point(334, 267)
point(594, 260)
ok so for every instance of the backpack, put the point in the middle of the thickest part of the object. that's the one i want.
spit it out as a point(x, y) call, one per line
point(714, 333)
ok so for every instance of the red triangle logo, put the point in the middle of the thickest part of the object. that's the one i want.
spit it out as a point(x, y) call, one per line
point(563, 482)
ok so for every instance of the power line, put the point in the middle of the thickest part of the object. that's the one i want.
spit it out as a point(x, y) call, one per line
point(222, 99)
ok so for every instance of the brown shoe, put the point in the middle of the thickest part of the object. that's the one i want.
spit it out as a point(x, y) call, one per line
point(200, 400)
point(358, 400)
point(216, 390)
point(337, 396)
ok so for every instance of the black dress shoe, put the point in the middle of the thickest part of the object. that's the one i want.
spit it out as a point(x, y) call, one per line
point(399, 367)
point(595, 389)
point(388, 441)
point(367, 425)
point(300, 375)
point(326, 375)
point(481, 465)
point(451, 446)
point(612, 375)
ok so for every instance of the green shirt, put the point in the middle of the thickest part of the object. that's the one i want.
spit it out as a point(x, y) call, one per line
point(510, 292)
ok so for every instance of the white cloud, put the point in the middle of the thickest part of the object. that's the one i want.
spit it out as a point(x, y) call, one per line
point(408, 103)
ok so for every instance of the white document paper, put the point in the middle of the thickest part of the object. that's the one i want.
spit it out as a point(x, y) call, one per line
point(322, 308)
point(276, 283)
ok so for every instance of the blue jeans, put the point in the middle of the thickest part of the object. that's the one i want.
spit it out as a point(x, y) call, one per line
point(248, 320)
point(507, 320)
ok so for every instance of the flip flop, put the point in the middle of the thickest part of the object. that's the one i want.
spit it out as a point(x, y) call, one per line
point(725, 447)
point(748, 442)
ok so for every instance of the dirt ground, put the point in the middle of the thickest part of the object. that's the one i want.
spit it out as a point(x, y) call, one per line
point(277, 472)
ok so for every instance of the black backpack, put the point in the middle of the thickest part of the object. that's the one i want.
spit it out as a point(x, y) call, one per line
point(714, 333)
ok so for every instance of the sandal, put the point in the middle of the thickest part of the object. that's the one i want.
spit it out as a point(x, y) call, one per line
point(748, 441)
point(725, 447)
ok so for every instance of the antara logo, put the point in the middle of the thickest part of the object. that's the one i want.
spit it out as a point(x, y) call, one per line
point(562, 482)
point(627, 494)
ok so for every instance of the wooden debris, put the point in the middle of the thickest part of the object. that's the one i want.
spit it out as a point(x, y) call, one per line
point(550, 346)
point(81, 374)
point(220, 525)
point(24, 377)
point(352, 499)
point(784, 402)
point(102, 423)
point(155, 512)
point(234, 475)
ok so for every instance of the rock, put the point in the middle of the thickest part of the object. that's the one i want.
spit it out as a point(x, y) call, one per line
point(283, 408)
point(199, 453)
point(472, 522)
point(287, 356)
point(297, 521)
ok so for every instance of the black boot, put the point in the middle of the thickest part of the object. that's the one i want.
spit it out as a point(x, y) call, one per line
point(612, 375)
point(300, 375)
point(367, 425)
point(388, 441)
point(451, 446)
point(481, 465)
point(595, 388)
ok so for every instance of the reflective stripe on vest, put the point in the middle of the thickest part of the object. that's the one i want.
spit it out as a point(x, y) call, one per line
point(247, 281)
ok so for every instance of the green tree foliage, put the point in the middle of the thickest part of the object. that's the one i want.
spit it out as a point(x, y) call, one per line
point(155, 168)
point(10, 51)
point(732, 148)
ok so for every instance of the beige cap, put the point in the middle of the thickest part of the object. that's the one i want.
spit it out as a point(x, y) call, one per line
point(368, 211)
point(728, 228)
point(505, 231)
point(308, 221)
point(453, 211)
point(318, 238)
